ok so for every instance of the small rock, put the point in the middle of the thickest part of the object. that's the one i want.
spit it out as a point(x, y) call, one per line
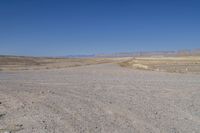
point(2, 115)
point(19, 125)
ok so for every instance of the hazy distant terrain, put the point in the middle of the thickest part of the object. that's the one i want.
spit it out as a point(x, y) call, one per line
point(154, 61)
point(8, 63)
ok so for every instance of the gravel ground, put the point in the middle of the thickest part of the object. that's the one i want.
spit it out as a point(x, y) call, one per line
point(101, 98)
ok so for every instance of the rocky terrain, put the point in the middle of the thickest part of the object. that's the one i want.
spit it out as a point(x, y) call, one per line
point(100, 98)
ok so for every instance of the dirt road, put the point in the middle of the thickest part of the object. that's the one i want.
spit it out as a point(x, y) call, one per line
point(103, 98)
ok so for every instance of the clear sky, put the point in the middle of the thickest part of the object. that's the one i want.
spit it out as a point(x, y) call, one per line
point(70, 27)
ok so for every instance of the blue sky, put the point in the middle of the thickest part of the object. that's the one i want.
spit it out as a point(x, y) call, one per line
point(70, 27)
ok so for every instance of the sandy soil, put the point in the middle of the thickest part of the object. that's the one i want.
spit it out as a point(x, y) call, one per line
point(103, 98)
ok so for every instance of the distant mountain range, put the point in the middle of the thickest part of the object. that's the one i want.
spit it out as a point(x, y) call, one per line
point(195, 52)
point(153, 53)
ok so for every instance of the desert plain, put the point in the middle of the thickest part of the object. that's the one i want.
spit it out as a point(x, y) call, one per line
point(100, 95)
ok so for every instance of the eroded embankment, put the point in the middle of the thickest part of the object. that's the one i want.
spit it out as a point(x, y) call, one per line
point(166, 64)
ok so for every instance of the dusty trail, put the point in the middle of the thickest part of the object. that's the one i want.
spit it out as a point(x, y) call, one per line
point(101, 98)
